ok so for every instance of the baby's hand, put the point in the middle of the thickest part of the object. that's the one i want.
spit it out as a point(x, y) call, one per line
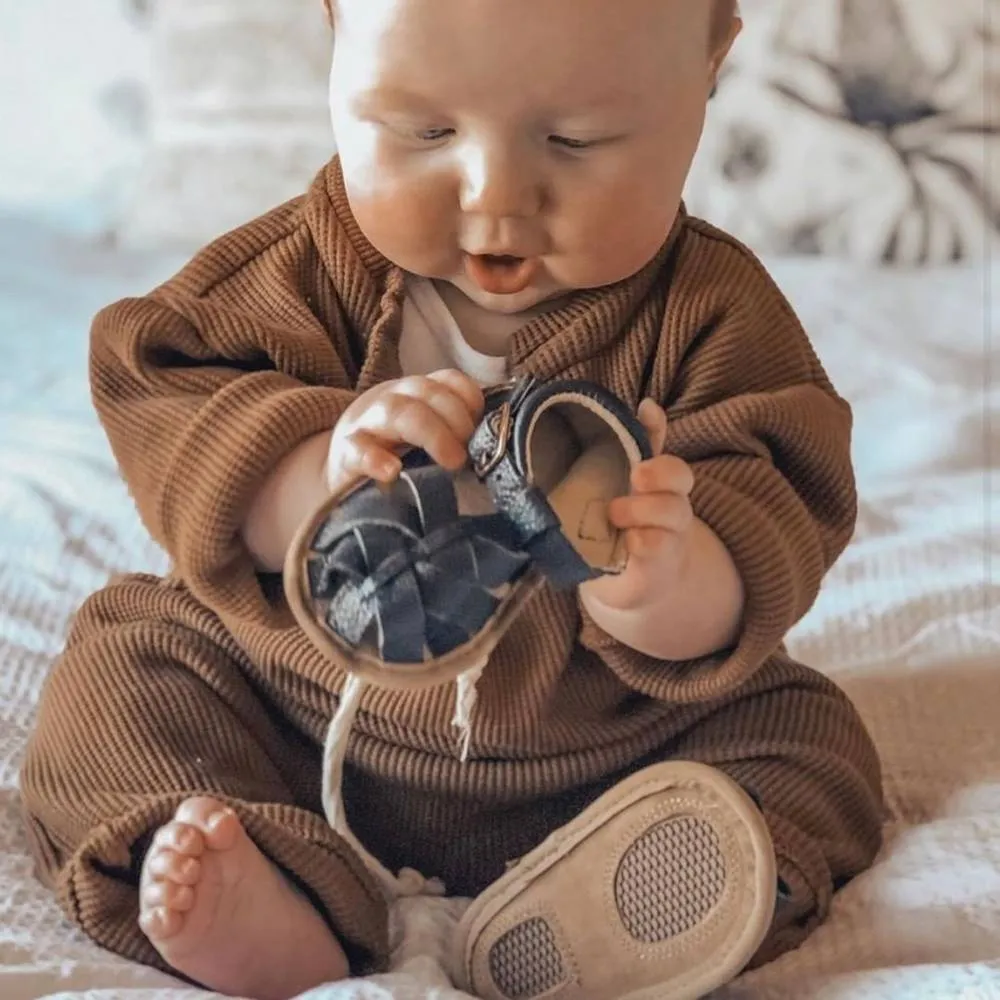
point(436, 412)
point(656, 517)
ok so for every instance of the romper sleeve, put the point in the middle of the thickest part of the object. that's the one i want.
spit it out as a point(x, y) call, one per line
point(205, 384)
point(751, 409)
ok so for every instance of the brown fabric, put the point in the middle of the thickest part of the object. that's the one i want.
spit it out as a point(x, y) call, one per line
point(151, 703)
point(174, 688)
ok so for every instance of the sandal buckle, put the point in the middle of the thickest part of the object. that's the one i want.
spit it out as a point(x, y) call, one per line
point(500, 422)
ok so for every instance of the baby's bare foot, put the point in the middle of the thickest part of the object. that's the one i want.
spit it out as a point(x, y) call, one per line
point(221, 914)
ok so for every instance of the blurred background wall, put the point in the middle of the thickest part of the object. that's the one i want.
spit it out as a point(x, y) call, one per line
point(74, 107)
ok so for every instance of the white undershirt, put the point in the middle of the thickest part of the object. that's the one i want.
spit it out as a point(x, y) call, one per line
point(431, 340)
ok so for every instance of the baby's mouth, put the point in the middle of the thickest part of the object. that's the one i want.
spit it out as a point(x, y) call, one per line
point(500, 274)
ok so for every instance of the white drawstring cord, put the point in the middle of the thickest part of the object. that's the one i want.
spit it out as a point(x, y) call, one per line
point(466, 696)
point(409, 882)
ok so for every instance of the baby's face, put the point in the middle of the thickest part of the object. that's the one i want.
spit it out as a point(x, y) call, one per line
point(519, 149)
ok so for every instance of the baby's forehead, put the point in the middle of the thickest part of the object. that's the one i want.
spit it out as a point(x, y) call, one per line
point(594, 47)
point(568, 20)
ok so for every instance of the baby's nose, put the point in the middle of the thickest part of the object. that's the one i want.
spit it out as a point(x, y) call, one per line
point(500, 185)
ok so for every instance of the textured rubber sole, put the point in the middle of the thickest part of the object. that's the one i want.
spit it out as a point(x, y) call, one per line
point(663, 889)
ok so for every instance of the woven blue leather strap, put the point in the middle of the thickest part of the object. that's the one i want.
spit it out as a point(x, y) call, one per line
point(404, 571)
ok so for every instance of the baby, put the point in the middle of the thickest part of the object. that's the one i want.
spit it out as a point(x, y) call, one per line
point(654, 795)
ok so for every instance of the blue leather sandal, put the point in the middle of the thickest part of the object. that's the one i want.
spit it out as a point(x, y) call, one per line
point(415, 583)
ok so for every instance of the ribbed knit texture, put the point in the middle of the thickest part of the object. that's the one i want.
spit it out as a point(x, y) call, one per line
point(202, 683)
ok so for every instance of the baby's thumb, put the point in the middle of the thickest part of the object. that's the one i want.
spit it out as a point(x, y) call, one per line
point(653, 418)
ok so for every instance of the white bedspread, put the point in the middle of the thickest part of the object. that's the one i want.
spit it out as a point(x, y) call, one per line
point(908, 624)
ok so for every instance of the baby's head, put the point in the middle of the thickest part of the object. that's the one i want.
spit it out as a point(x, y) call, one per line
point(556, 132)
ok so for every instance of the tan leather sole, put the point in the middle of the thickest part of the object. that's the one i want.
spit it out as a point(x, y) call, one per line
point(663, 889)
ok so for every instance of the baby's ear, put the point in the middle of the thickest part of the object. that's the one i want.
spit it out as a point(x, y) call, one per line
point(727, 70)
point(720, 50)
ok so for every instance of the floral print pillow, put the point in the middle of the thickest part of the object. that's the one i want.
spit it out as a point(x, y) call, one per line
point(859, 128)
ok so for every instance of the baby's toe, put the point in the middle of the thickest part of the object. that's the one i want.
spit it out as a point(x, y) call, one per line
point(163, 864)
point(181, 838)
point(159, 924)
point(219, 825)
point(168, 896)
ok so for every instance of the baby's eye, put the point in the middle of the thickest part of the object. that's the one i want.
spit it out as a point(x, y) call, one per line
point(569, 143)
point(434, 134)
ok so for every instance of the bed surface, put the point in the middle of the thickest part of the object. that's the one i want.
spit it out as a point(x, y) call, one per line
point(908, 622)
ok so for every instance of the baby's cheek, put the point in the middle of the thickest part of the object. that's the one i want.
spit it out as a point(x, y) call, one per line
point(409, 221)
point(616, 235)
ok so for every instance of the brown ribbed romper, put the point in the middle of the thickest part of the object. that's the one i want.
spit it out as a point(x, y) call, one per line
point(201, 683)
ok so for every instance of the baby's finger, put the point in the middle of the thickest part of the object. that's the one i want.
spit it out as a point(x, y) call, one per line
point(409, 420)
point(448, 403)
point(466, 388)
point(654, 419)
point(646, 543)
point(666, 511)
point(362, 454)
point(663, 474)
